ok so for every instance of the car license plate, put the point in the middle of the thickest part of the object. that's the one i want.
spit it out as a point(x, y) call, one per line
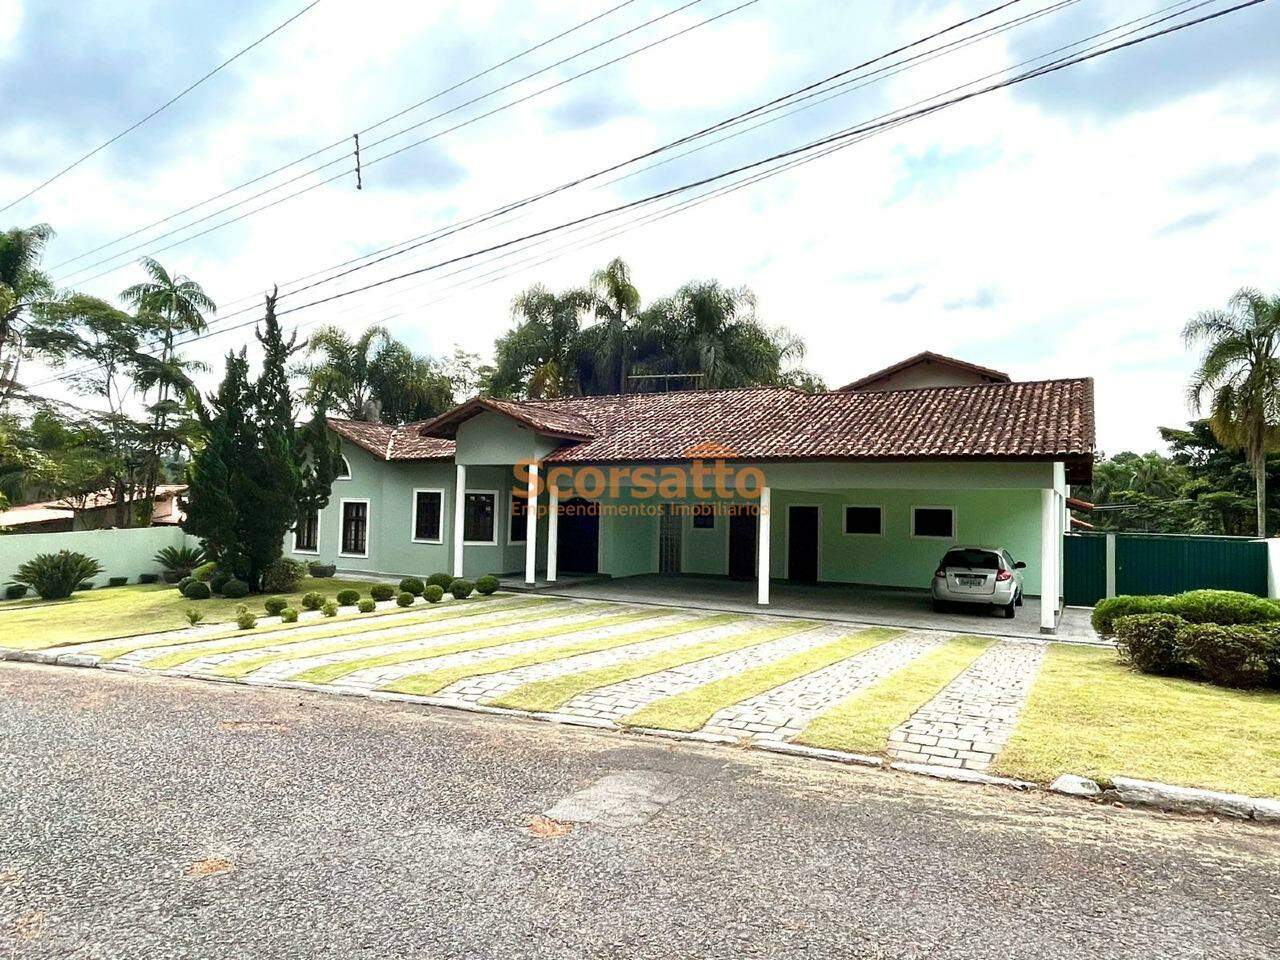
point(971, 581)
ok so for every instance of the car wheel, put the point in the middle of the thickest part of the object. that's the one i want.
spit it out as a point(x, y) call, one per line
point(939, 606)
point(1008, 611)
point(1018, 600)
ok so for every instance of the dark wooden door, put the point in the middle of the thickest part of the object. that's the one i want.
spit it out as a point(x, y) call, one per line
point(742, 546)
point(802, 544)
point(578, 544)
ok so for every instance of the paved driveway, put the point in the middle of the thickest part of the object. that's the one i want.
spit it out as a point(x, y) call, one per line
point(156, 818)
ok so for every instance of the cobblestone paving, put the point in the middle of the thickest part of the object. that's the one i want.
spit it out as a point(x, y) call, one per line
point(483, 689)
point(616, 701)
point(968, 723)
point(783, 712)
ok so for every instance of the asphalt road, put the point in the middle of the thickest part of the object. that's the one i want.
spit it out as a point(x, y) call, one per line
point(150, 817)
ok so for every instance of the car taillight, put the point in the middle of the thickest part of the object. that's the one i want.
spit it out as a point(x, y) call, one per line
point(1002, 575)
point(940, 573)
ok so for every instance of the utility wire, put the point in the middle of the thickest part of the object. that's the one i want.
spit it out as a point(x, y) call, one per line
point(160, 109)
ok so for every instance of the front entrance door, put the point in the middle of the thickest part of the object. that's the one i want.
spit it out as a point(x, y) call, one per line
point(578, 544)
point(802, 544)
point(742, 545)
point(670, 534)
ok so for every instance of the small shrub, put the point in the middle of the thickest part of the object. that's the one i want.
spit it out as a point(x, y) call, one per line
point(54, 576)
point(366, 605)
point(181, 559)
point(117, 581)
point(461, 589)
point(1225, 607)
point(283, 576)
point(1108, 611)
point(84, 585)
point(312, 600)
point(197, 590)
point(173, 576)
point(246, 619)
point(219, 581)
point(348, 597)
point(182, 584)
point(149, 578)
point(194, 616)
point(434, 593)
point(321, 571)
point(205, 571)
point(241, 608)
point(382, 591)
point(405, 600)
point(274, 605)
point(289, 615)
point(487, 585)
point(15, 591)
point(235, 589)
point(330, 608)
point(1149, 642)
point(1235, 655)
point(412, 585)
point(441, 580)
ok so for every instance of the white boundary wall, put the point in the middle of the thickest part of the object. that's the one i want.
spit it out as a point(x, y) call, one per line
point(122, 553)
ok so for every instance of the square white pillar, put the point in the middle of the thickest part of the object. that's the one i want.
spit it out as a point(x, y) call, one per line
point(1050, 553)
point(459, 510)
point(762, 548)
point(531, 529)
point(553, 531)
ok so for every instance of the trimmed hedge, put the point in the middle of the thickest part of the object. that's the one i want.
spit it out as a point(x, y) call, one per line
point(1106, 612)
point(1149, 642)
point(366, 605)
point(288, 615)
point(487, 585)
point(312, 600)
point(330, 608)
point(405, 600)
point(15, 591)
point(205, 570)
point(441, 580)
point(274, 605)
point(197, 590)
point(149, 578)
point(348, 597)
point(182, 584)
point(219, 580)
point(283, 576)
point(1225, 607)
point(412, 585)
point(1233, 655)
point(246, 620)
point(461, 589)
point(382, 591)
point(434, 593)
point(117, 581)
point(235, 589)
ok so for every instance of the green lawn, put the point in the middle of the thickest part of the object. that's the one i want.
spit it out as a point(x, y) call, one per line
point(111, 612)
point(1091, 715)
point(862, 723)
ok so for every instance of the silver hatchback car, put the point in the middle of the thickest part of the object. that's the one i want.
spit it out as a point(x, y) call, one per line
point(979, 575)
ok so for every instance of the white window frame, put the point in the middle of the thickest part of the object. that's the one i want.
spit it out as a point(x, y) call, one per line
point(844, 519)
point(413, 519)
point(316, 551)
point(497, 499)
point(511, 501)
point(955, 522)
point(368, 526)
point(346, 465)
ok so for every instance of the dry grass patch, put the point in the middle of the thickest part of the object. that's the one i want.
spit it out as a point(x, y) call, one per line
point(209, 867)
point(544, 828)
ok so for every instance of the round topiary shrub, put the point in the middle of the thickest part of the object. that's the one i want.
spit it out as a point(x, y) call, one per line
point(312, 600)
point(433, 592)
point(15, 591)
point(274, 605)
point(1237, 655)
point(382, 591)
point(288, 615)
point(461, 589)
point(441, 580)
point(412, 585)
point(330, 608)
point(321, 571)
point(182, 584)
point(1149, 642)
point(283, 576)
point(348, 597)
point(1106, 612)
point(219, 580)
point(405, 600)
point(366, 606)
point(197, 590)
point(487, 585)
point(246, 620)
point(1226, 607)
point(235, 589)
point(205, 571)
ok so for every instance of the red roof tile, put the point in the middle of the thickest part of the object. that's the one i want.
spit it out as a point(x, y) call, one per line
point(392, 443)
point(928, 356)
point(554, 421)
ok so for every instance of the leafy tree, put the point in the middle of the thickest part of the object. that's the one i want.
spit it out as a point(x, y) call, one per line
point(1239, 374)
point(24, 288)
point(539, 357)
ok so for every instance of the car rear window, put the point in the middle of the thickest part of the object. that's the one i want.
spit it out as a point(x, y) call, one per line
point(974, 559)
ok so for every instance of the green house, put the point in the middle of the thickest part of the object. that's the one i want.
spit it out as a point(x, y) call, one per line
point(864, 485)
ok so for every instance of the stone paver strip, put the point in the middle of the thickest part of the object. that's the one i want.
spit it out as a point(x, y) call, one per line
point(969, 722)
point(692, 709)
point(329, 672)
point(553, 694)
point(781, 713)
point(861, 723)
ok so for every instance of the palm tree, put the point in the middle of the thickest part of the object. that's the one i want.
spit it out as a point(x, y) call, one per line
point(23, 287)
point(607, 345)
point(1240, 373)
point(344, 374)
point(539, 357)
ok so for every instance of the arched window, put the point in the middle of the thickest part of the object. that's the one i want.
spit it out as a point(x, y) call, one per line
point(344, 470)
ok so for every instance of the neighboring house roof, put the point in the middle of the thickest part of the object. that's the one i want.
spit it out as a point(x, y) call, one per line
point(66, 508)
point(386, 442)
point(35, 513)
point(928, 357)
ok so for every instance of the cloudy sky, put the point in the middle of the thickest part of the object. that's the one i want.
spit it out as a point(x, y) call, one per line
point(1068, 226)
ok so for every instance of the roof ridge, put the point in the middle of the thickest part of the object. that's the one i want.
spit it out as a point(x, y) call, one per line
point(956, 386)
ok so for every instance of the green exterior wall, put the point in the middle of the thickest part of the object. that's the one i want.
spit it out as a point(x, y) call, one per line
point(121, 553)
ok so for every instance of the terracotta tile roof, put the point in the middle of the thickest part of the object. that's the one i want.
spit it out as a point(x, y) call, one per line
point(928, 356)
point(392, 443)
point(546, 417)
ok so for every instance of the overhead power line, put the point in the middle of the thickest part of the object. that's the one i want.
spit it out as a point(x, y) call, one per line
point(158, 110)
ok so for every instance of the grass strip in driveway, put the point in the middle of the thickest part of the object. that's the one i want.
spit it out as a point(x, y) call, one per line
point(548, 695)
point(433, 681)
point(1091, 715)
point(329, 672)
point(692, 709)
point(256, 641)
point(862, 723)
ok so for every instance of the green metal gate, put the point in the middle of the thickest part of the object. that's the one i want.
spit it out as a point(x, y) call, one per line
point(1084, 558)
point(1149, 563)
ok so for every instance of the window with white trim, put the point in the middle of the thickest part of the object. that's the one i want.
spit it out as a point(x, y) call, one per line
point(863, 521)
point(355, 528)
point(480, 517)
point(344, 468)
point(936, 522)
point(427, 507)
point(306, 534)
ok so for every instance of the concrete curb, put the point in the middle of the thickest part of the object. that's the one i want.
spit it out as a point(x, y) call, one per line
point(1166, 796)
point(817, 753)
point(962, 776)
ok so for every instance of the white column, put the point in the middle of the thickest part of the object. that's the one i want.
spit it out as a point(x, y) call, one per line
point(762, 548)
point(1050, 577)
point(459, 509)
point(531, 529)
point(553, 531)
